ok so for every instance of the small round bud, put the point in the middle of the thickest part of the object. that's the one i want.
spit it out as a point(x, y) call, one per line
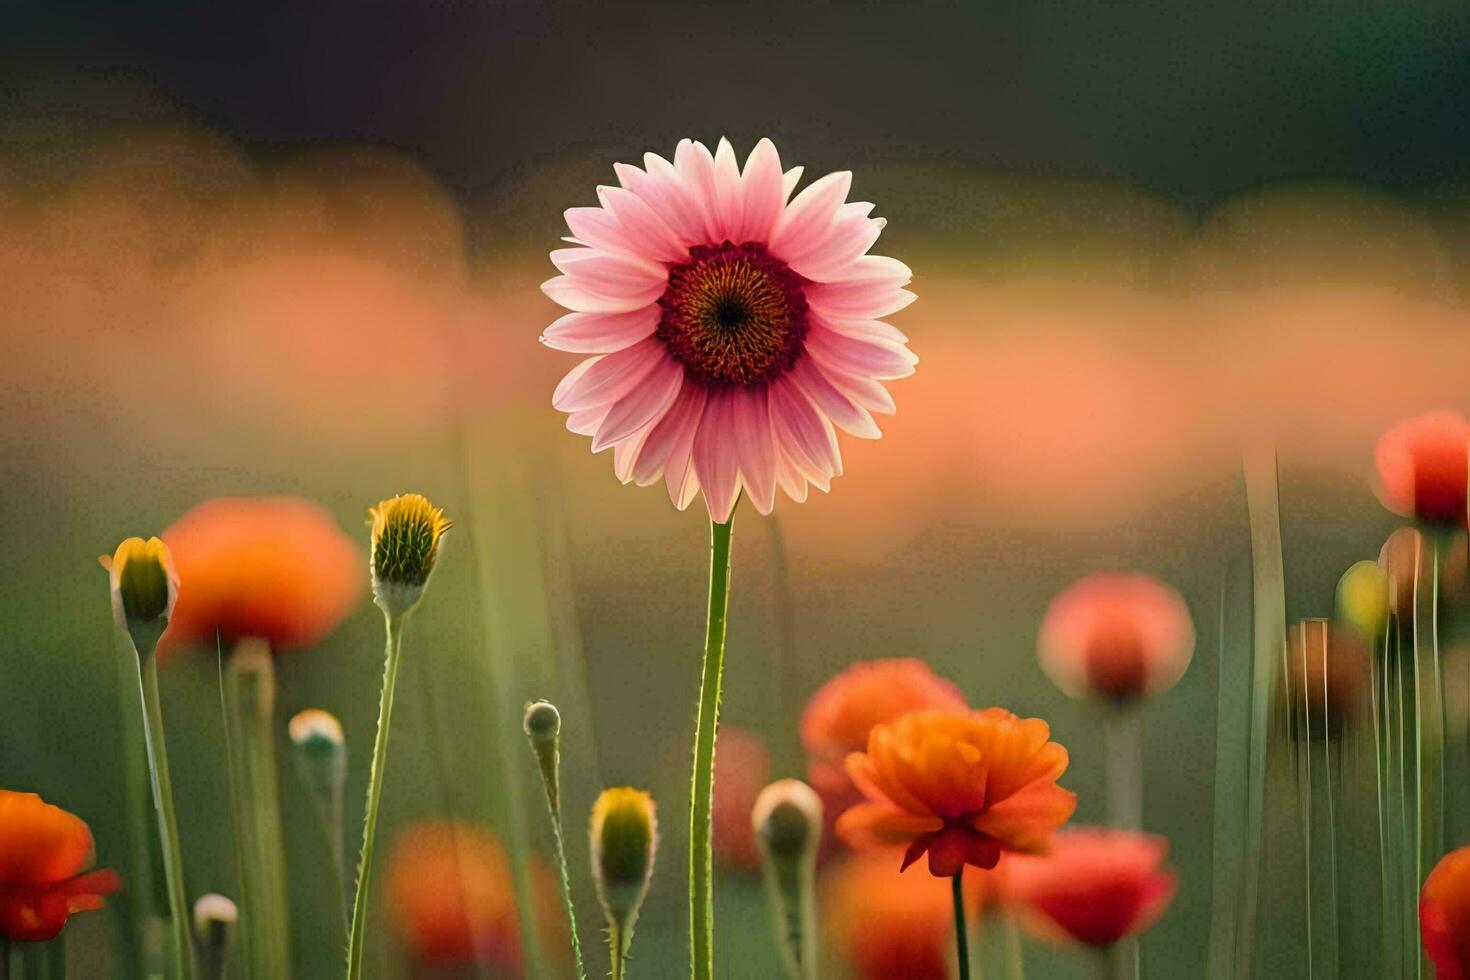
point(214, 920)
point(252, 668)
point(321, 750)
point(1363, 599)
point(144, 587)
point(542, 722)
point(787, 818)
point(406, 531)
point(624, 831)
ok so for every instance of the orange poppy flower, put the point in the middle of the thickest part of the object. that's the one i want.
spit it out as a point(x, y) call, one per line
point(894, 927)
point(1096, 885)
point(276, 568)
point(450, 898)
point(962, 786)
point(1444, 915)
point(1116, 636)
point(1424, 467)
point(838, 718)
point(43, 852)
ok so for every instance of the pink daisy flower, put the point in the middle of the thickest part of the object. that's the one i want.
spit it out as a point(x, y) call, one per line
point(733, 325)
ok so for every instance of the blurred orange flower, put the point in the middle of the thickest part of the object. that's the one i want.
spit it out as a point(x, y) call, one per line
point(1444, 915)
point(1096, 885)
point(844, 710)
point(1116, 636)
point(742, 770)
point(43, 851)
point(894, 927)
point(961, 786)
point(450, 898)
point(276, 568)
point(1424, 467)
point(1329, 672)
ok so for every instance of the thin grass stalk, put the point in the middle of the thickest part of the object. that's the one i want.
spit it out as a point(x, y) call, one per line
point(1015, 952)
point(1225, 838)
point(1420, 850)
point(1408, 938)
point(1304, 786)
point(1437, 712)
point(1268, 628)
point(140, 901)
point(1378, 694)
point(1330, 903)
point(182, 950)
point(701, 866)
point(257, 956)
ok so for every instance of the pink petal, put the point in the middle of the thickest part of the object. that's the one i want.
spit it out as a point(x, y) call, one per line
point(860, 358)
point(603, 380)
point(625, 456)
point(663, 190)
point(804, 433)
point(643, 405)
point(851, 234)
point(878, 269)
point(790, 478)
point(789, 180)
point(862, 329)
point(598, 228)
point(600, 333)
point(807, 218)
point(671, 437)
point(715, 459)
point(857, 300)
point(843, 411)
point(567, 292)
point(650, 236)
point(585, 422)
point(866, 392)
point(764, 195)
point(693, 162)
point(756, 446)
point(729, 200)
point(611, 273)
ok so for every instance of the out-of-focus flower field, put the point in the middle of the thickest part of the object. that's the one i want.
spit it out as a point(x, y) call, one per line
point(185, 317)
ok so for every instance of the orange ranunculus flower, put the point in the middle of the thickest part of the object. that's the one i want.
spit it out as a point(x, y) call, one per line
point(962, 786)
point(451, 901)
point(838, 718)
point(1116, 636)
point(894, 927)
point(43, 852)
point(1424, 466)
point(276, 568)
point(1096, 885)
point(1444, 915)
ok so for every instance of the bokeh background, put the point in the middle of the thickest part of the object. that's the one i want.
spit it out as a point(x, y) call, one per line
point(297, 250)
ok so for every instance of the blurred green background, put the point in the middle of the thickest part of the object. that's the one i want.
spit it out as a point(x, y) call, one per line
point(296, 251)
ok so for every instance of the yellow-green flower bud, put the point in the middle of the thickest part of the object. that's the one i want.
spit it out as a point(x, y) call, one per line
point(542, 722)
point(1363, 599)
point(624, 840)
point(787, 819)
point(144, 587)
point(406, 531)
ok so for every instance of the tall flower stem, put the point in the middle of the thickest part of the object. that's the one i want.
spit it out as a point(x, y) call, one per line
point(249, 705)
point(1124, 733)
point(1015, 955)
point(393, 653)
point(961, 933)
point(701, 871)
point(182, 954)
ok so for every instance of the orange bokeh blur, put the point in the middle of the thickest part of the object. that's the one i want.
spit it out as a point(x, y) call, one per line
point(273, 568)
point(1444, 915)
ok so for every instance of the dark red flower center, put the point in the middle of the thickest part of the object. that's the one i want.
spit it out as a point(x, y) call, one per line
point(733, 315)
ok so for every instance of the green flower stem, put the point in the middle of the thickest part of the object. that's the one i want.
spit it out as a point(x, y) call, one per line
point(961, 930)
point(618, 941)
point(393, 653)
point(249, 694)
point(701, 873)
point(182, 951)
point(1015, 955)
point(566, 889)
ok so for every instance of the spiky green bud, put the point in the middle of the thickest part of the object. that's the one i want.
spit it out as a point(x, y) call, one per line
point(406, 531)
